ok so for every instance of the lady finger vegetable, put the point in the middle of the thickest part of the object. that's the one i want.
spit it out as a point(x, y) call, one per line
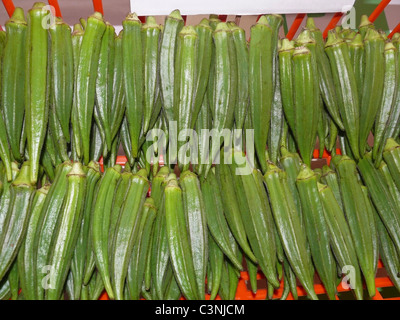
point(100, 227)
point(67, 231)
point(132, 53)
point(127, 230)
point(178, 240)
point(17, 219)
point(27, 253)
point(86, 80)
point(13, 80)
point(36, 95)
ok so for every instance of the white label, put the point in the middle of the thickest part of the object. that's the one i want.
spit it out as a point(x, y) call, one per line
point(238, 7)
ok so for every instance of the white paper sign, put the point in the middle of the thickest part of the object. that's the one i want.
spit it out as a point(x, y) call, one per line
point(238, 7)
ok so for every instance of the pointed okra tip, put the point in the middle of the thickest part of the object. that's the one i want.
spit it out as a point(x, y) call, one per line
point(390, 145)
point(77, 30)
point(305, 37)
point(222, 27)
point(287, 45)
point(338, 29)
point(188, 174)
point(151, 23)
point(176, 14)
point(310, 24)
point(275, 18)
point(305, 173)
point(365, 22)
point(39, 5)
point(18, 16)
point(204, 22)
point(333, 38)
point(263, 20)
point(97, 15)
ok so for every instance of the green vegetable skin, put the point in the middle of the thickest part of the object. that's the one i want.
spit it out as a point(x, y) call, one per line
point(86, 80)
point(306, 91)
point(118, 89)
point(76, 142)
point(197, 226)
point(127, 230)
point(357, 60)
point(47, 224)
point(27, 253)
point(285, 54)
point(185, 82)
point(160, 251)
point(317, 229)
point(150, 40)
point(341, 239)
point(289, 227)
point(217, 224)
point(104, 85)
point(204, 47)
point(389, 96)
point(355, 209)
point(135, 275)
point(13, 80)
point(223, 84)
point(173, 25)
point(178, 240)
point(232, 209)
point(36, 103)
point(386, 206)
point(62, 69)
point(17, 219)
point(101, 223)
point(326, 84)
point(373, 84)
point(67, 231)
point(133, 78)
point(346, 89)
point(261, 84)
point(82, 248)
